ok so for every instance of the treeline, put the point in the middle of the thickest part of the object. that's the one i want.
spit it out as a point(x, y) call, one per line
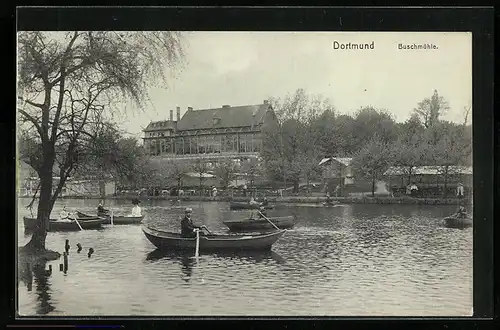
point(311, 129)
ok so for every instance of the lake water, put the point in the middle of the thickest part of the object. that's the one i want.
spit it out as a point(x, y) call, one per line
point(353, 260)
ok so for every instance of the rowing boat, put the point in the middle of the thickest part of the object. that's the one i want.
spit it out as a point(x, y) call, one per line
point(31, 223)
point(118, 219)
point(66, 224)
point(247, 206)
point(174, 241)
point(456, 222)
point(262, 223)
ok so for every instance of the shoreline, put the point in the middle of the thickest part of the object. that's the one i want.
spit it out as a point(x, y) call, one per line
point(295, 199)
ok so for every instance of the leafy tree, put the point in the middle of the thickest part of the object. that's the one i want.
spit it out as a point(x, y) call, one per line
point(373, 160)
point(431, 108)
point(226, 171)
point(67, 80)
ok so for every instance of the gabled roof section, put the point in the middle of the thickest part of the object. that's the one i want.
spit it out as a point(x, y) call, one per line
point(161, 125)
point(239, 116)
point(342, 160)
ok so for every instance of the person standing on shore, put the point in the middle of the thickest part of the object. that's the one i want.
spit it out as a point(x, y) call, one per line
point(460, 190)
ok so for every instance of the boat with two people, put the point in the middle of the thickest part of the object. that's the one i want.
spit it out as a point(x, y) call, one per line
point(135, 217)
point(66, 222)
point(260, 221)
point(201, 239)
point(251, 205)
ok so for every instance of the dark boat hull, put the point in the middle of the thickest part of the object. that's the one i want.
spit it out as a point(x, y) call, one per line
point(260, 224)
point(247, 206)
point(119, 219)
point(454, 222)
point(173, 241)
point(57, 225)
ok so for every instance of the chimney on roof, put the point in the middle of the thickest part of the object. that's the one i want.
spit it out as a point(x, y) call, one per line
point(266, 102)
point(226, 106)
point(178, 113)
point(171, 115)
point(190, 108)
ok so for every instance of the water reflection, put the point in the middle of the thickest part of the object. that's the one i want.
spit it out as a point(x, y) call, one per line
point(37, 273)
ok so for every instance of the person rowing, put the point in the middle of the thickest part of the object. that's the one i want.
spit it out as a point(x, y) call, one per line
point(187, 226)
point(461, 213)
point(100, 208)
point(264, 202)
point(262, 212)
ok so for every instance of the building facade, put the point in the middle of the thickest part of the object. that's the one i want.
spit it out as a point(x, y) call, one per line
point(210, 134)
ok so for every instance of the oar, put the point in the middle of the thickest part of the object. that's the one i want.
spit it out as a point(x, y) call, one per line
point(197, 251)
point(111, 217)
point(78, 223)
point(269, 221)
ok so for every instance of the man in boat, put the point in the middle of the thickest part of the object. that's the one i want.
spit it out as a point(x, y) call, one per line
point(264, 202)
point(187, 226)
point(328, 198)
point(262, 212)
point(100, 209)
point(461, 213)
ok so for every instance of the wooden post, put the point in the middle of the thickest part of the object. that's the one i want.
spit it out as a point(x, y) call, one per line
point(65, 257)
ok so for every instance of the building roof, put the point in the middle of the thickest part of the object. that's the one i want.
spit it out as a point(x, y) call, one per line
point(429, 170)
point(161, 125)
point(239, 116)
point(197, 175)
point(342, 160)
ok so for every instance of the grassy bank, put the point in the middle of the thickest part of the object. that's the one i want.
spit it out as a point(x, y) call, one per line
point(302, 199)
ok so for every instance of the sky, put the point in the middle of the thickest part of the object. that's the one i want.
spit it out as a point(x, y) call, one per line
point(243, 68)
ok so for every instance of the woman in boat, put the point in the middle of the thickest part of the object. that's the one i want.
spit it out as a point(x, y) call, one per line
point(64, 215)
point(136, 210)
point(187, 226)
point(252, 201)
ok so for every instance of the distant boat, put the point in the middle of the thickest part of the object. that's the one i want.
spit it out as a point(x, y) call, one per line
point(247, 206)
point(66, 224)
point(117, 219)
point(258, 224)
point(454, 221)
point(174, 241)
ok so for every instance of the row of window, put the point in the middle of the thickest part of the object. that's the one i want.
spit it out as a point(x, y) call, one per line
point(205, 144)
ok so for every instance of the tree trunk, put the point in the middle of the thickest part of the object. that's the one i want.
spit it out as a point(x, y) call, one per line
point(201, 185)
point(445, 193)
point(373, 186)
point(45, 204)
point(296, 186)
point(102, 189)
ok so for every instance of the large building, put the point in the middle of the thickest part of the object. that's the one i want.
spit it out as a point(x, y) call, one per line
point(210, 134)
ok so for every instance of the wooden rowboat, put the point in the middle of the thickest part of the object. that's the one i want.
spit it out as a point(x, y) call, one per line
point(65, 225)
point(31, 223)
point(247, 206)
point(174, 241)
point(118, 219)
point(259, 224)
point(456, 222)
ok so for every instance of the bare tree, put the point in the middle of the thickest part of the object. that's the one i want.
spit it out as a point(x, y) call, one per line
point(67, 80)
